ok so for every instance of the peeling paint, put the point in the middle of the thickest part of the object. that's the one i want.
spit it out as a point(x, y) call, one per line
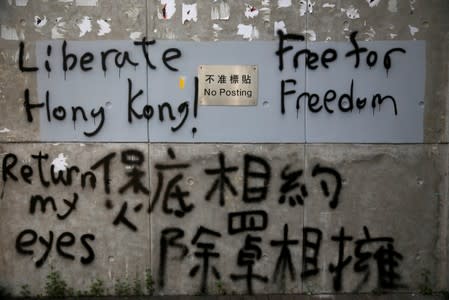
point(251, 11)
point(373, 3)
point(284, 3)
point(85, 25)
point(60, 163)
point(249, 32)
point(86, 2)
point(135, 35)
point(166, 10)
point(4, 130)
point(279, 26)
point(40, 22)
point(413, 30)
point(393, 6)
point(9, 33)
point(21, 2)
point(328, 5)
point(351, 12)
point(58, 31)
point(105, 27)
point(393, 35)
point(189, 12)
point(222, 12)
point(311, 35)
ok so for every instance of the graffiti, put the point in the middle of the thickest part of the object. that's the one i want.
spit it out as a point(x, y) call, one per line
point(297, 251)
point(173, 113)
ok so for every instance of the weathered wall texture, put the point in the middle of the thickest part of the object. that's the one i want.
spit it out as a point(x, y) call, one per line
point(319, 218)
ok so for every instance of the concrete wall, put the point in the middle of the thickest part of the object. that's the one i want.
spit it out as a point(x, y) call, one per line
point(396, 192)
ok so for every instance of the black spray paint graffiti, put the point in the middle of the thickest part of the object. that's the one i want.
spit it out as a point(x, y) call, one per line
point(384, 256)
point(346, 102)
point(371, 258)
point(291, 51)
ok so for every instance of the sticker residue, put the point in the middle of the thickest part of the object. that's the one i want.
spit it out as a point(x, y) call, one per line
point(85, 25)
point(166, 10)
point(413, 30)
point(58, 31)
point(135, 35)
point(305, 7)
point(393, 6)
point(220, 12)
point(189, 12)
point(284, 3)
point(60, 163)
point(279, 26)
point(40, 22)
point(311, 35)
point(86, 2)
point(266, 10)
point(373, 3)
point(21, 2)
point(251, 11)
point(351, 12)
point(328, 5)
point(249, 32)
point(9, 33)
point(105, 27)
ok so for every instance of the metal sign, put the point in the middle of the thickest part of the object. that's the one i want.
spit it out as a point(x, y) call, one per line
point(228, 85)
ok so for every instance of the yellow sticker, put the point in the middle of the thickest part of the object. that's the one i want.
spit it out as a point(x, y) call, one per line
point(182, 81)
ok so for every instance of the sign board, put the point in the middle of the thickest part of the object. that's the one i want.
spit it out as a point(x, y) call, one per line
point(227, 84)
point(325, 92)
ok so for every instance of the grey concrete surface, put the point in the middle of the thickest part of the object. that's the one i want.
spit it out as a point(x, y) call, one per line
point(391, 191)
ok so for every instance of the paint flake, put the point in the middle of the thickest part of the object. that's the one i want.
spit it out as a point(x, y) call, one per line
point(86, 2)
point(5, 130)
point(166, 10)
point(222, 12)
point(60, 163)
point(251, 11)
point(279, 26)
point(9, 33)
point(85, 25)
point(373, 3)
point(105, 27)
point(189, 12)
point(249, 32)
